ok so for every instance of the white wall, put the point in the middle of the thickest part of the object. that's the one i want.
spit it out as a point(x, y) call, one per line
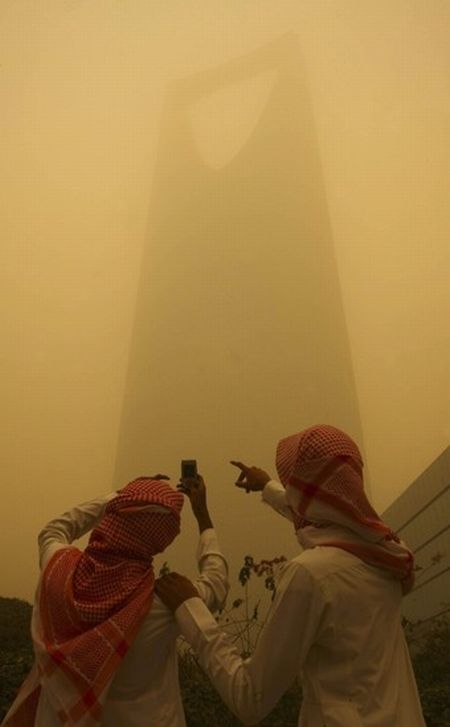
point(84, 85)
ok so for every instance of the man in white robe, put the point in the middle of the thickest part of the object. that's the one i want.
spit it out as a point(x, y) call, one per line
point(105, 643)
point(336, 618)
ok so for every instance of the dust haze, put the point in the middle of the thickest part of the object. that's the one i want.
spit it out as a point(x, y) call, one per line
point(222, 222)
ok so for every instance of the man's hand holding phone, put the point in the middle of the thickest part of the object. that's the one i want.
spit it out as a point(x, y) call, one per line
point(194, 488)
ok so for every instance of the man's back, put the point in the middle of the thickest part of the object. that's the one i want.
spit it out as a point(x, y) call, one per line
point(145, 687)
point(358, 670)
point(143, 690)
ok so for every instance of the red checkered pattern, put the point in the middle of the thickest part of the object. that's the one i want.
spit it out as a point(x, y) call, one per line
point(92, 603)
point(324, 466)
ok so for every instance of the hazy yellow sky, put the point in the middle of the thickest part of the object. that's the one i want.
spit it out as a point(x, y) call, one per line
point(221, 222)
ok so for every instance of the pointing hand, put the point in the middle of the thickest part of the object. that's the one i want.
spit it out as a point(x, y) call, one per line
point(251, 479)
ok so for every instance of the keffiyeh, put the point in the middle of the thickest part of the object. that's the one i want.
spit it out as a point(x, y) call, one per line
point(321, 469)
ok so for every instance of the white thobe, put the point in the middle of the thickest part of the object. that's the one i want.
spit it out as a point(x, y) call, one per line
point(336, 623)
point(144, 691)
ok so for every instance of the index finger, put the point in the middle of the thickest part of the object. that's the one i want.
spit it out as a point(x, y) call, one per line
point(243, 467)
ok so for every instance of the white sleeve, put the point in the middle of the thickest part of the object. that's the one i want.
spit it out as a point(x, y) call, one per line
point(212, 581)
point(252, 687)
point(274, 495)
point(71, 525)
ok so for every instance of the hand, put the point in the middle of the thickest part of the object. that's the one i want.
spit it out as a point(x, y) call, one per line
point(251, 478)
point(195, 489)
point(146, 477)
point(174, 589)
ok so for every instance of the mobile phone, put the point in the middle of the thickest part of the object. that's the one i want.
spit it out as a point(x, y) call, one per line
point(188, 469)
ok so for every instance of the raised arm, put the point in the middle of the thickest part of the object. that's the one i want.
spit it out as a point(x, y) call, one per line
point(212, 582)
point(254, 479)
point(251, 687)
point(71, 525)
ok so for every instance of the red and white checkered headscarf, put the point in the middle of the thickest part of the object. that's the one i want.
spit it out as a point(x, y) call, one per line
point(92, 602)
point(321, 468)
